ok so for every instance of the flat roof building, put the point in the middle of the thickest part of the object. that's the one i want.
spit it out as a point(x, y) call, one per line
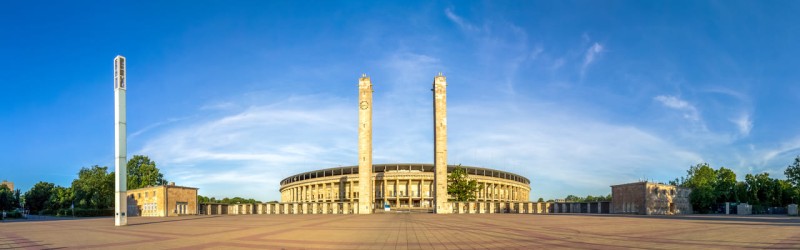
point(162, 201)
point(8, 184)
point(650, 198)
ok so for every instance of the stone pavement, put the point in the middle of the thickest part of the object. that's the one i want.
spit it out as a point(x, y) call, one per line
point(408, 231)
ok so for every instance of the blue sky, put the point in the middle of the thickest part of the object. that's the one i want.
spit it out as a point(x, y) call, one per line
point(233, 97)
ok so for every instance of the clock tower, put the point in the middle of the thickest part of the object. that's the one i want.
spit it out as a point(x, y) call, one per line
point(365, 183)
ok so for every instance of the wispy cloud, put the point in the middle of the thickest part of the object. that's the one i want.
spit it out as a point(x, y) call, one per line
point(503, 47)
point(591, 53)
point(464, 25)
point(257, 145)
point(560, 150)
point(744, 123)
point(690, 111)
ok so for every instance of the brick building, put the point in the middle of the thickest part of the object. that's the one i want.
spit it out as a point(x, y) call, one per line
point(162, 201)
point(649, 198)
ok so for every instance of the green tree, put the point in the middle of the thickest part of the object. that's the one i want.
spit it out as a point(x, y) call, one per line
point(142, 172)
point(701, 178)
point(38, 197)
point(760, 189)
point(574, 198)
point(793, 172)
point(740, 192)
point(237, 200)
point(17, 199)
point(460, 187)
point(793, 177)
point(724, 185)
point(94, 188)
point(61, 198)
point(540, 199)
point(6, 198)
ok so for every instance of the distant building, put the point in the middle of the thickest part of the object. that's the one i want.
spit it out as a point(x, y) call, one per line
point(162, 201)
point(9, 184)
point(649, 198)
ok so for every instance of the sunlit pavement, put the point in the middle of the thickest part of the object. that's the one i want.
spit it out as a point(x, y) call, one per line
point(408, 231)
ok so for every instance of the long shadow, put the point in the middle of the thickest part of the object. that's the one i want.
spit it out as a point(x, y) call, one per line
point(176, 220)
point(32, 218)
point(769, 219)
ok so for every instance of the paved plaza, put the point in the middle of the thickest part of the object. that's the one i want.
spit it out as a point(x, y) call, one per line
point(408, 231)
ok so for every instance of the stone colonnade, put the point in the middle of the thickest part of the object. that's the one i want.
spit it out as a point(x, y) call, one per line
point(598, 207)
point(502, 207)
point(394, 189)
point(281, 208)
point(352, 208)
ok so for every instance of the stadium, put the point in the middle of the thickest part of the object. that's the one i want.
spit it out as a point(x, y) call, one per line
point(398, 185)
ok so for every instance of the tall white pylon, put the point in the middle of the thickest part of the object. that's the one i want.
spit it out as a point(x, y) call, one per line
point(120, 145)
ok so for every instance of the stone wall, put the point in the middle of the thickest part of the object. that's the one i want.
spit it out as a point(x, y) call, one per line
point(648, 198)
point(628, 199)
point(352, 208)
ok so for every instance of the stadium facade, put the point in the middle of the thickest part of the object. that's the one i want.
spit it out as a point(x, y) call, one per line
point(398, 185)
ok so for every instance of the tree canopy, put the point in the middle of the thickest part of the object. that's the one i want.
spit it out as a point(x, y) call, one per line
point(142, 172)
point(575, 198)
point(711, 187)
point(94, 188)
point(6, 198)
point(38, 197)
point(793, 172)
point(226, 200)
point(460, 187)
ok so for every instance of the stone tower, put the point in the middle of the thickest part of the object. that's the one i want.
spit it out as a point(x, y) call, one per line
point(365, 199)
point(440, 144)
point(120, 144)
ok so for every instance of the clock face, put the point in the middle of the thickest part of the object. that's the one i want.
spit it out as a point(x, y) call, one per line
point(364, 105)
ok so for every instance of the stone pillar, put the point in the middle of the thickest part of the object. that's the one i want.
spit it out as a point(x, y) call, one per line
point(325, 208)
point(472, 207)
point(346, 208)
point(791, 209)
point(364, 145)
point(440, 144)
point(384, 193)
point(491, 207)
